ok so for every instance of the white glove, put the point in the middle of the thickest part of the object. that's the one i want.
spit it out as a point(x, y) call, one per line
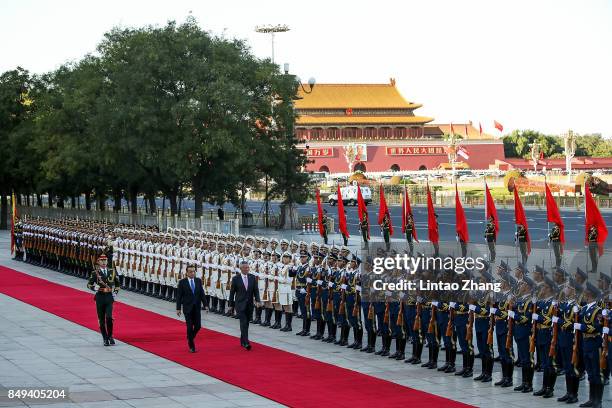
point(358, 288)
point(604, 312)
point(308, 280)
point(577, 326)
point(452, 305)
point(331, 284)
point(511, 314)
point(435, 303)
point(534, 316)
point(606, 330)
point(402, 295)
point(576, 309)
point(555, 319)
point(554, 303)
point(493, 310)
point(472, 308)
point(387, 293)
point(343, 286)
point(319, 282)
point(302, 290)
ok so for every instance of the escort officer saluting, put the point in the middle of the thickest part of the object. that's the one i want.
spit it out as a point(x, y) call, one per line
point(364, 227)
point(105, 283)
point(555, 240)
point(491, 238)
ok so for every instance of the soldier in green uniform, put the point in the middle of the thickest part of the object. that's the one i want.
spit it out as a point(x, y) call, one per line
point(385, 227)
point(324, 221)
point(409, 231)
point(491, 237)
point(105, 282)
point(593, 254)
point(521, 236)
point(364, 227)
point(555, 240)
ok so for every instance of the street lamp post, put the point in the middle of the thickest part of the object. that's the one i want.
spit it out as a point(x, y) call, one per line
point(535, 155)
point(452, 153)
point(272, 30)
point(570, 150)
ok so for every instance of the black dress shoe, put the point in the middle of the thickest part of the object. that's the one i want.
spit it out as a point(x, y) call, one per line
point(192, 349)
point(106, 342)
point(111, 341)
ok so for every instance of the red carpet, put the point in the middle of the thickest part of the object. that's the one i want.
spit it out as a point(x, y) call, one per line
point(284, 377)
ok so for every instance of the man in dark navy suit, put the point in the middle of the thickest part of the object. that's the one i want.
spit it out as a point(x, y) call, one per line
point(189, 297)
point(244, 294)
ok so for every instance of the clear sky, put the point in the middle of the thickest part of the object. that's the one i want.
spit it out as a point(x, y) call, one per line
point(539, 64)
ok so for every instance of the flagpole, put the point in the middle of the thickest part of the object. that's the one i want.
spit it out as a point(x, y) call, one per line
point(547, 222)
point(585, 228)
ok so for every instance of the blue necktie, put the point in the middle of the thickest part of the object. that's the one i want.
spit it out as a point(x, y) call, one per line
point(192, 285)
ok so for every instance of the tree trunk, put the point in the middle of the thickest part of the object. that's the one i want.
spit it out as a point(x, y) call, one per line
point(172, 196)
point(180, 204)
point(51, 198)
point(72, 202)
point(88, 201)
point(242, 197)
point(101, 201)
point(60, 201)
point(18, 197)
point(288, 216)
point(152, 204)
point(117, 199)
point(39, 202)
point(28, 200)
point(199, 202)
point(134, 199)
point(3, 211)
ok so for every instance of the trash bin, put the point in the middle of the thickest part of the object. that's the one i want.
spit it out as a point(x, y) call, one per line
point(247, 219)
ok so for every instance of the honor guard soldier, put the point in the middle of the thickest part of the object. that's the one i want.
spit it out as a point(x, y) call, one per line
point(327, 297)
point(353, 302)
point(385, 229)
point(18, 236)
point(521, 236)
point(339, 303)
point(316, 290)
point(543, 317)
point(500, 311)
point(105, 283)
point(592, 236)
point(555, 241)
point(364, 227)
point(491, 237)
point(566, 316)
point(324, 224)
point(520, 319)
point(428, 324)
point(303, 287)
point(409, 234)
point(481, 309)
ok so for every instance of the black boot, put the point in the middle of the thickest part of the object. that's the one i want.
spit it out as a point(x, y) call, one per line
point(257, 315)
point(446, 359)
point(488, 369)
point(523, 379)
point(278, 316)
point(552, 379)
point(301, 332)
point(320, 327)
point(307, 327)
point(598, 395)
point(434, 361)
point(591, 401)
point(402, 349)
point(452, 357)
point(542, 390)
point(397, 347)
point(358, 338)
point(575, 383)
point(429, 357)
point(483, 369)
point(529, 382)
point(266, 322)
point(346, 330)
point(386, 345)
point(470, 370)
point(288, 319)
point(372, 342)
point(504, 373)
point(509, 375)
point(419, 353)
point(463, 363)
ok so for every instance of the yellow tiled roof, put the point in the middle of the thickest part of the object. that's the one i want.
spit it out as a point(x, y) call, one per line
point(342, 96)
point(460, 129)
point(360, 120)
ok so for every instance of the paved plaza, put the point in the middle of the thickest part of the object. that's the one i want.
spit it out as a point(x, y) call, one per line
point(38, 349)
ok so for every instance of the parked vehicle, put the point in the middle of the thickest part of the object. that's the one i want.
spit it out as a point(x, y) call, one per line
point(349, 195)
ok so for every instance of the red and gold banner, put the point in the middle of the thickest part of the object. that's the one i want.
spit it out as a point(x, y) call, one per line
point(320, 152)
point(415, 150)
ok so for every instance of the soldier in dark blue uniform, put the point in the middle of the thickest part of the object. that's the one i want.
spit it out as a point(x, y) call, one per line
point(396, 323)
point(543, 318)
point(590, 325)
point(521, 317)
point(480, 308)
point(409, 310)
point(352, 310)
point(327, 298)
point(568, 308)
point(316, 296)
point(369, 315)
point(340, 287)
point(504, 303)
point(461, 312)
point(445, 325)
point(302, 287)
point(428, 324)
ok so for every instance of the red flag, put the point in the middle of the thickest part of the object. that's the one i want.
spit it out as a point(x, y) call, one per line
point(13, 217)
point(320, 212)
point(553, 215)
point(362, 208)
point(490, 209)
point(520, 218)
point(407, 210)
point(432, 224)
point(462, 228)
point(593, 218)
point(341, 216)
point(383, 209)
point(479, 129)
point(498, 126)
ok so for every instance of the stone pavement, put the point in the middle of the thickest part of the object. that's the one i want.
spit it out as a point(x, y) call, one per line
point(39, 349)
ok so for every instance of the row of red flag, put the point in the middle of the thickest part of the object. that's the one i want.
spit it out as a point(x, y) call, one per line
point(592, 215)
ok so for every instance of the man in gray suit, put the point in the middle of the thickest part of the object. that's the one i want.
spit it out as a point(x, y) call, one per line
point(244, 295)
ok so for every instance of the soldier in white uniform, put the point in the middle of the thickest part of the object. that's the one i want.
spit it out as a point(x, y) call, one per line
point(286, 290)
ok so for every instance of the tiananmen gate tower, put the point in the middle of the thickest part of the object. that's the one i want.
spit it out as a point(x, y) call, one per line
point(371, 127)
